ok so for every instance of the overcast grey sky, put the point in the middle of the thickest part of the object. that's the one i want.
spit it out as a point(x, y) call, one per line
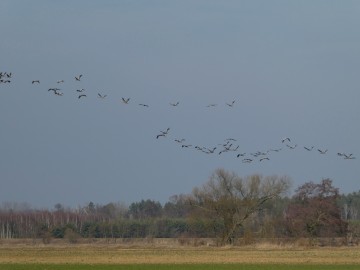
point(292, 68)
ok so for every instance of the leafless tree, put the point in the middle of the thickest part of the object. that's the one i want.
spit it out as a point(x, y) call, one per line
point(231, 199)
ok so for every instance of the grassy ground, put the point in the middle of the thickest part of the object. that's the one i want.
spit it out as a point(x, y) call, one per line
point(76, 254)
point(174, 267)
point(106, 257)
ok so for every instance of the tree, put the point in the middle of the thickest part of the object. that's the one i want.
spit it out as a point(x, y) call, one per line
point(177, 206)
point(145, 209)
point(314, 211)
point(230, 200)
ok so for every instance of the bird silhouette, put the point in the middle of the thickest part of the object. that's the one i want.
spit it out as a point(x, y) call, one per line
point(163, 133)
point(126, 101)
point(56, 91)
point(174, 104)
point(231, 104)
point(35, 81)
point(291, 146)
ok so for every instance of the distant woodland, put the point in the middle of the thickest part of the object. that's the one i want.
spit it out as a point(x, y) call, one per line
point(227, 207)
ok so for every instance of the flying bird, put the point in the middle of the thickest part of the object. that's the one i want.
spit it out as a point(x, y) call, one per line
point(78, 77)
point(163, 133)
point(322, 151)
point(174, 104)
point(83, 95)
point(210, 151)
point(80, 90)
point(347, 156)
point(144, 105)
point(61, 81)
point(101, 96)
point(291, 147)
point(126, 101)
point(186, 145)
point(160, 135)
point(285, 139)
point(35, 81)
point(309, 148)
point(231, 104)
point(264, 158)
point(55, 90)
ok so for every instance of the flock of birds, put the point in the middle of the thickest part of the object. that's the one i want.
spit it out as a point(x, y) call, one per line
point(229, 145)
point(5, 77)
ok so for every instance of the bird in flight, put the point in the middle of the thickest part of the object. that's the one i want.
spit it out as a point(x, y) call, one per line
point(61, 81)
point(174, 104)
point(144, 105)
point(186, 145)
point(101, 96)
point(247, 160)
point(264, 158)
point(309, 148)
point(322, 151)
point(210, 151)
point(125, 100)
point(231, 104)
point(80, 96)
point(285, 139)
point(163, 133)
point(35, 81)
point(291, 147)
point(78, 77)
point(211, 105)
point(80, 90)
point(349, 156)
point(56, 91)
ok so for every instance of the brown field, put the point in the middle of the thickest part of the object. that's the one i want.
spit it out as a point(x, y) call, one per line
point(145, 252)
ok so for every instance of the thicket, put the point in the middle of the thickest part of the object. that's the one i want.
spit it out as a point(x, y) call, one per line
point(315, 210)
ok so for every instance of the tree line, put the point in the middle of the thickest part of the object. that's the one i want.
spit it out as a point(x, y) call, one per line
point(226, 207)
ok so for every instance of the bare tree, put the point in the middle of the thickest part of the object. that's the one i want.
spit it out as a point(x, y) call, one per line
point(231, 199)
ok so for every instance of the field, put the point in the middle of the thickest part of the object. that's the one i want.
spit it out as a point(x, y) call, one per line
point(116, 256)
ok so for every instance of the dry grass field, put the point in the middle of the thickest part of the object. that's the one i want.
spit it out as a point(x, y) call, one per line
point(167, 253)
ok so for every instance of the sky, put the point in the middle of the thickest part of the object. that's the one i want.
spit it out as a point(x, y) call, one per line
point(291, 68)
